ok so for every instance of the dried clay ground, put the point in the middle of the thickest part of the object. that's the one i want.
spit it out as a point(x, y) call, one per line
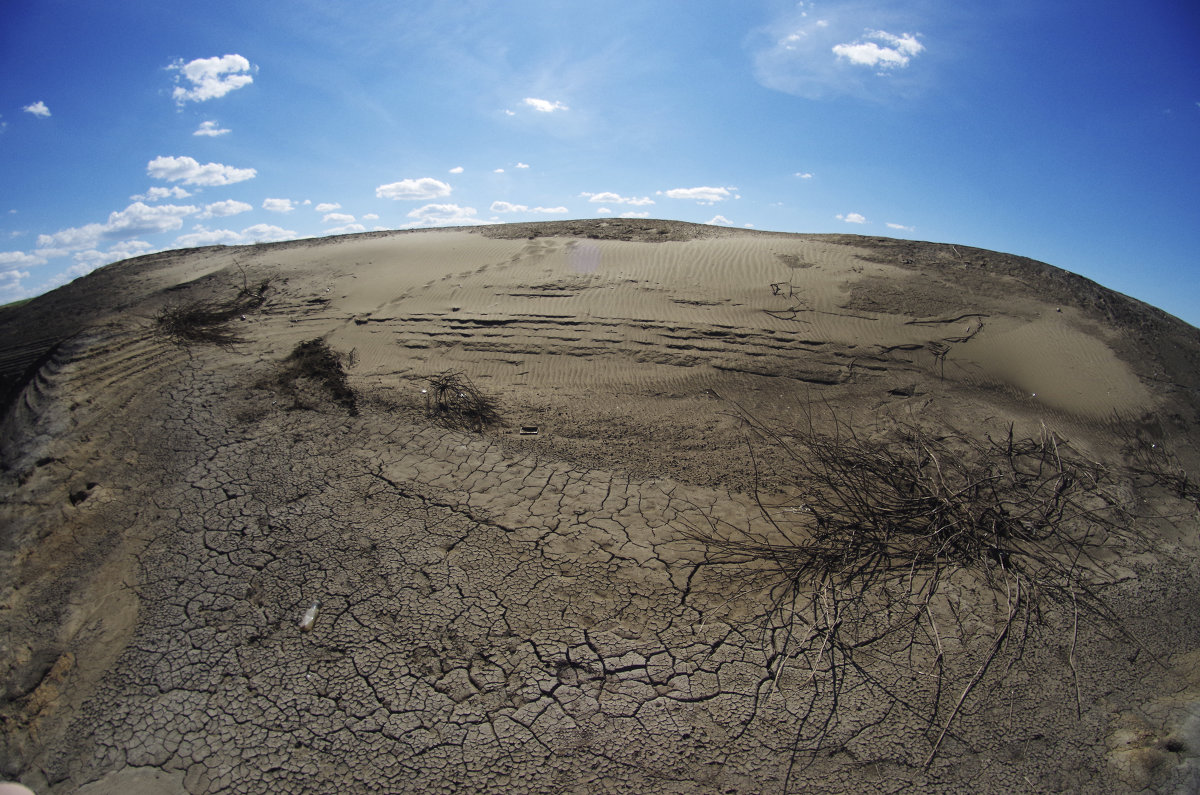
point(801, 514)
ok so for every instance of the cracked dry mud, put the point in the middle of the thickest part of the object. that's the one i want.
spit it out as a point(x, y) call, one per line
point(502, 612)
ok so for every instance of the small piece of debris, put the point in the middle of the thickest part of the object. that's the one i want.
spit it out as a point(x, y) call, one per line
point(310, 617)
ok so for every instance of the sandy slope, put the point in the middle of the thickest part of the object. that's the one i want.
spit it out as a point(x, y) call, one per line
point(526, 612)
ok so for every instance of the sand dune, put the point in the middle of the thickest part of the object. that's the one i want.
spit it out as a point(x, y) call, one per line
point(541, 611)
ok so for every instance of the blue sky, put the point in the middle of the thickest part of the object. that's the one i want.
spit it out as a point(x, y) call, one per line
point(1064, 131)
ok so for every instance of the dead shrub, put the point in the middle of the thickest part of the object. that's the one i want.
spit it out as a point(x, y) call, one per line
point(210, 322)
point(314, 362)
point(899, 533)
point(454, 401)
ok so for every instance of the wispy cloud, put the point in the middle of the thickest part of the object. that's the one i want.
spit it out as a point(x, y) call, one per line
point(210, 78)
point(158, 194)
point(852, 218)
point(901, 227)
point(703, 195)
point(210, 129)
point(423, 188)
point(824, 50)
point(456, 170)
point(225, 208)
point(804, 175)
point(544, 105)
point(278, 205)
point(187, 169)
point(442, 215)
point(136, 219)
point(88, 261)
point(38, 109)
point(348, 229)
point(9, 259)
point(259, 233)
point(606, 197)
point(338, 218)
point(507, 207)
point(522, 165)
point(895, 54)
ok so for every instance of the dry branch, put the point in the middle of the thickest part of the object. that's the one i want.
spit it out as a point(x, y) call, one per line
point(453, 400)
point(899, 531)
point(210, 321)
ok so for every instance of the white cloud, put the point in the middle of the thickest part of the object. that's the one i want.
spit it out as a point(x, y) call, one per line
point(632, 214)
point(497, 171)
point(211, 129)
point(158, 194)
point(819, 56)
point(544, 105)
point(456, 170)
point(604, 211)
point(615, 198)
point(211, 78)
point(259, 233)
point(337, 218)
point(852, 218)
point(11, 288)
point(225, 208)
point(522, 165)
point(278, 205)
point(327, 207)
point(174, 169)
point(896, 53)
point(348, 229)
point(423, 188)
point(136, 219)
point(88, 261)
point(508, 112)
point(704, 195)
point(38, 109)
point(901, 227)
point(506, 207)
point(804, 175)
point(12, 259)
point(719, 220)
point(370, 217)
point(442, 215)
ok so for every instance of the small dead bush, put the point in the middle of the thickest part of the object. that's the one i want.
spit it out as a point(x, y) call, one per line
point(455, 402)
point(898, 534)
point(313, 362)
point(210, 322)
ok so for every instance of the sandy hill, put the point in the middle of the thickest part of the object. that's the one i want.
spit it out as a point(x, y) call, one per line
point(598, 506)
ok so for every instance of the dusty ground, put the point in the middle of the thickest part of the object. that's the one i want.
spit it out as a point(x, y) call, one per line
point(539, 612)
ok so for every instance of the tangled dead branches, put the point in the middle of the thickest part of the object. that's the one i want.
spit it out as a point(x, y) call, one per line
point(912, 560)
point(454, 401)
point(210, 322)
